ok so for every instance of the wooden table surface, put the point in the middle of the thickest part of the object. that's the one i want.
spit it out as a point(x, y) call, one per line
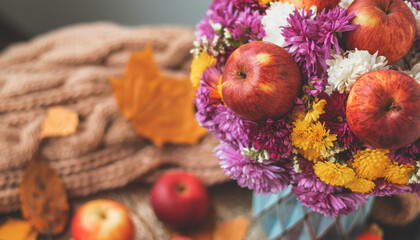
point(229, 201)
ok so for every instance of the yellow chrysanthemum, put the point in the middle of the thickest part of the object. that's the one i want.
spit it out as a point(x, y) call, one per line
point(311, 155)
point(334, 174)
point(199, 64)
point(360, 185)
point(320, 138)
point(371, 164)
point(300, 134)
point(399, 173)
point(316, 111)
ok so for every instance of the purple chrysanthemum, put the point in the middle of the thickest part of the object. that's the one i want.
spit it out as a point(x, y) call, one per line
point(204, 108)
point(266, 177)
point(415, 189)
point(335, 119)
point(301, 38)
point(247, 27)
point(229, 127)
point(416, 4)
point(271, 135)
point(384, 188)
point(213, 115)
point(222, 12)
point(406, 154)
point(316, 85)
point(299, 106)
point(207, 99)
point(329, 204)
point(310, 41)
point(330, 23)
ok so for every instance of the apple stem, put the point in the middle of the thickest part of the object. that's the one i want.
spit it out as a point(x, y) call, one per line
point(102, 215)
point(241, 75)
point(387, 8)
point(180, 188)
point(393, 107)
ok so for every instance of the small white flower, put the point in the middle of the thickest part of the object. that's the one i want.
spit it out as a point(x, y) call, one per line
point(415, 178)
point(344, 71)
point(296, 165)
point(344, 4)
point(217, 27)
point(416, 14)
point(255, 154)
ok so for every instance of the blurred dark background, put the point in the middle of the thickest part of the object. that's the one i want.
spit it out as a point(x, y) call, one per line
point(31, 18)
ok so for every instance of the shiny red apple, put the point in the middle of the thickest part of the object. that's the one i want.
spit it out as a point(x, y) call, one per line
point(383, 109)
point(180, 200)
point(386, 26)
point(102, 219)
point(320, 4)
point(260, 81)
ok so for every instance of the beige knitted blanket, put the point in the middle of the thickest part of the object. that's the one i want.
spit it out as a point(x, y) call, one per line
point(71, 67)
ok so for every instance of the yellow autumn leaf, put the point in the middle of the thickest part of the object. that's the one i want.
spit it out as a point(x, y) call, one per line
point(159, 107)
point(234, 229)
point(60, 121)
point(16, 229)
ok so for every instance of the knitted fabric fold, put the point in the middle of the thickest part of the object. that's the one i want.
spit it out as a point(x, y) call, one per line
point(71, 67)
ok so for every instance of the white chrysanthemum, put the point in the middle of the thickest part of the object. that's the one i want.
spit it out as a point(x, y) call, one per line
point(414, 72)
point(344, 71)
point(344, 4)
point(275, 18)
point(416, 15)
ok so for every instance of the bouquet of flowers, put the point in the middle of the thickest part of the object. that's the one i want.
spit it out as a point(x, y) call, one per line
point(320, 95)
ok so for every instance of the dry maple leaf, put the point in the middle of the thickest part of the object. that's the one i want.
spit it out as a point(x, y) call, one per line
point(43, 198)
point(159, 107)
point(59, 122)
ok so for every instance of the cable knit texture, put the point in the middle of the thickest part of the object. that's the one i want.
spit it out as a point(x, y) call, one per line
point(70, 67)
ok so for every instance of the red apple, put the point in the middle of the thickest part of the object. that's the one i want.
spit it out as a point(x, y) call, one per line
point(260, 81)
point(383, 109)
point(180, 200)
point(102, 219)
point(320, 4)
point(368, 236)
point(386, 26)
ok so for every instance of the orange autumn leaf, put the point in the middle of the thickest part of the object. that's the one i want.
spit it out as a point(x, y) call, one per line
point(43, 198)
point(159, 107)
point(202, 232)
point(59, 122)
point(234, 229)
point(16, 229)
